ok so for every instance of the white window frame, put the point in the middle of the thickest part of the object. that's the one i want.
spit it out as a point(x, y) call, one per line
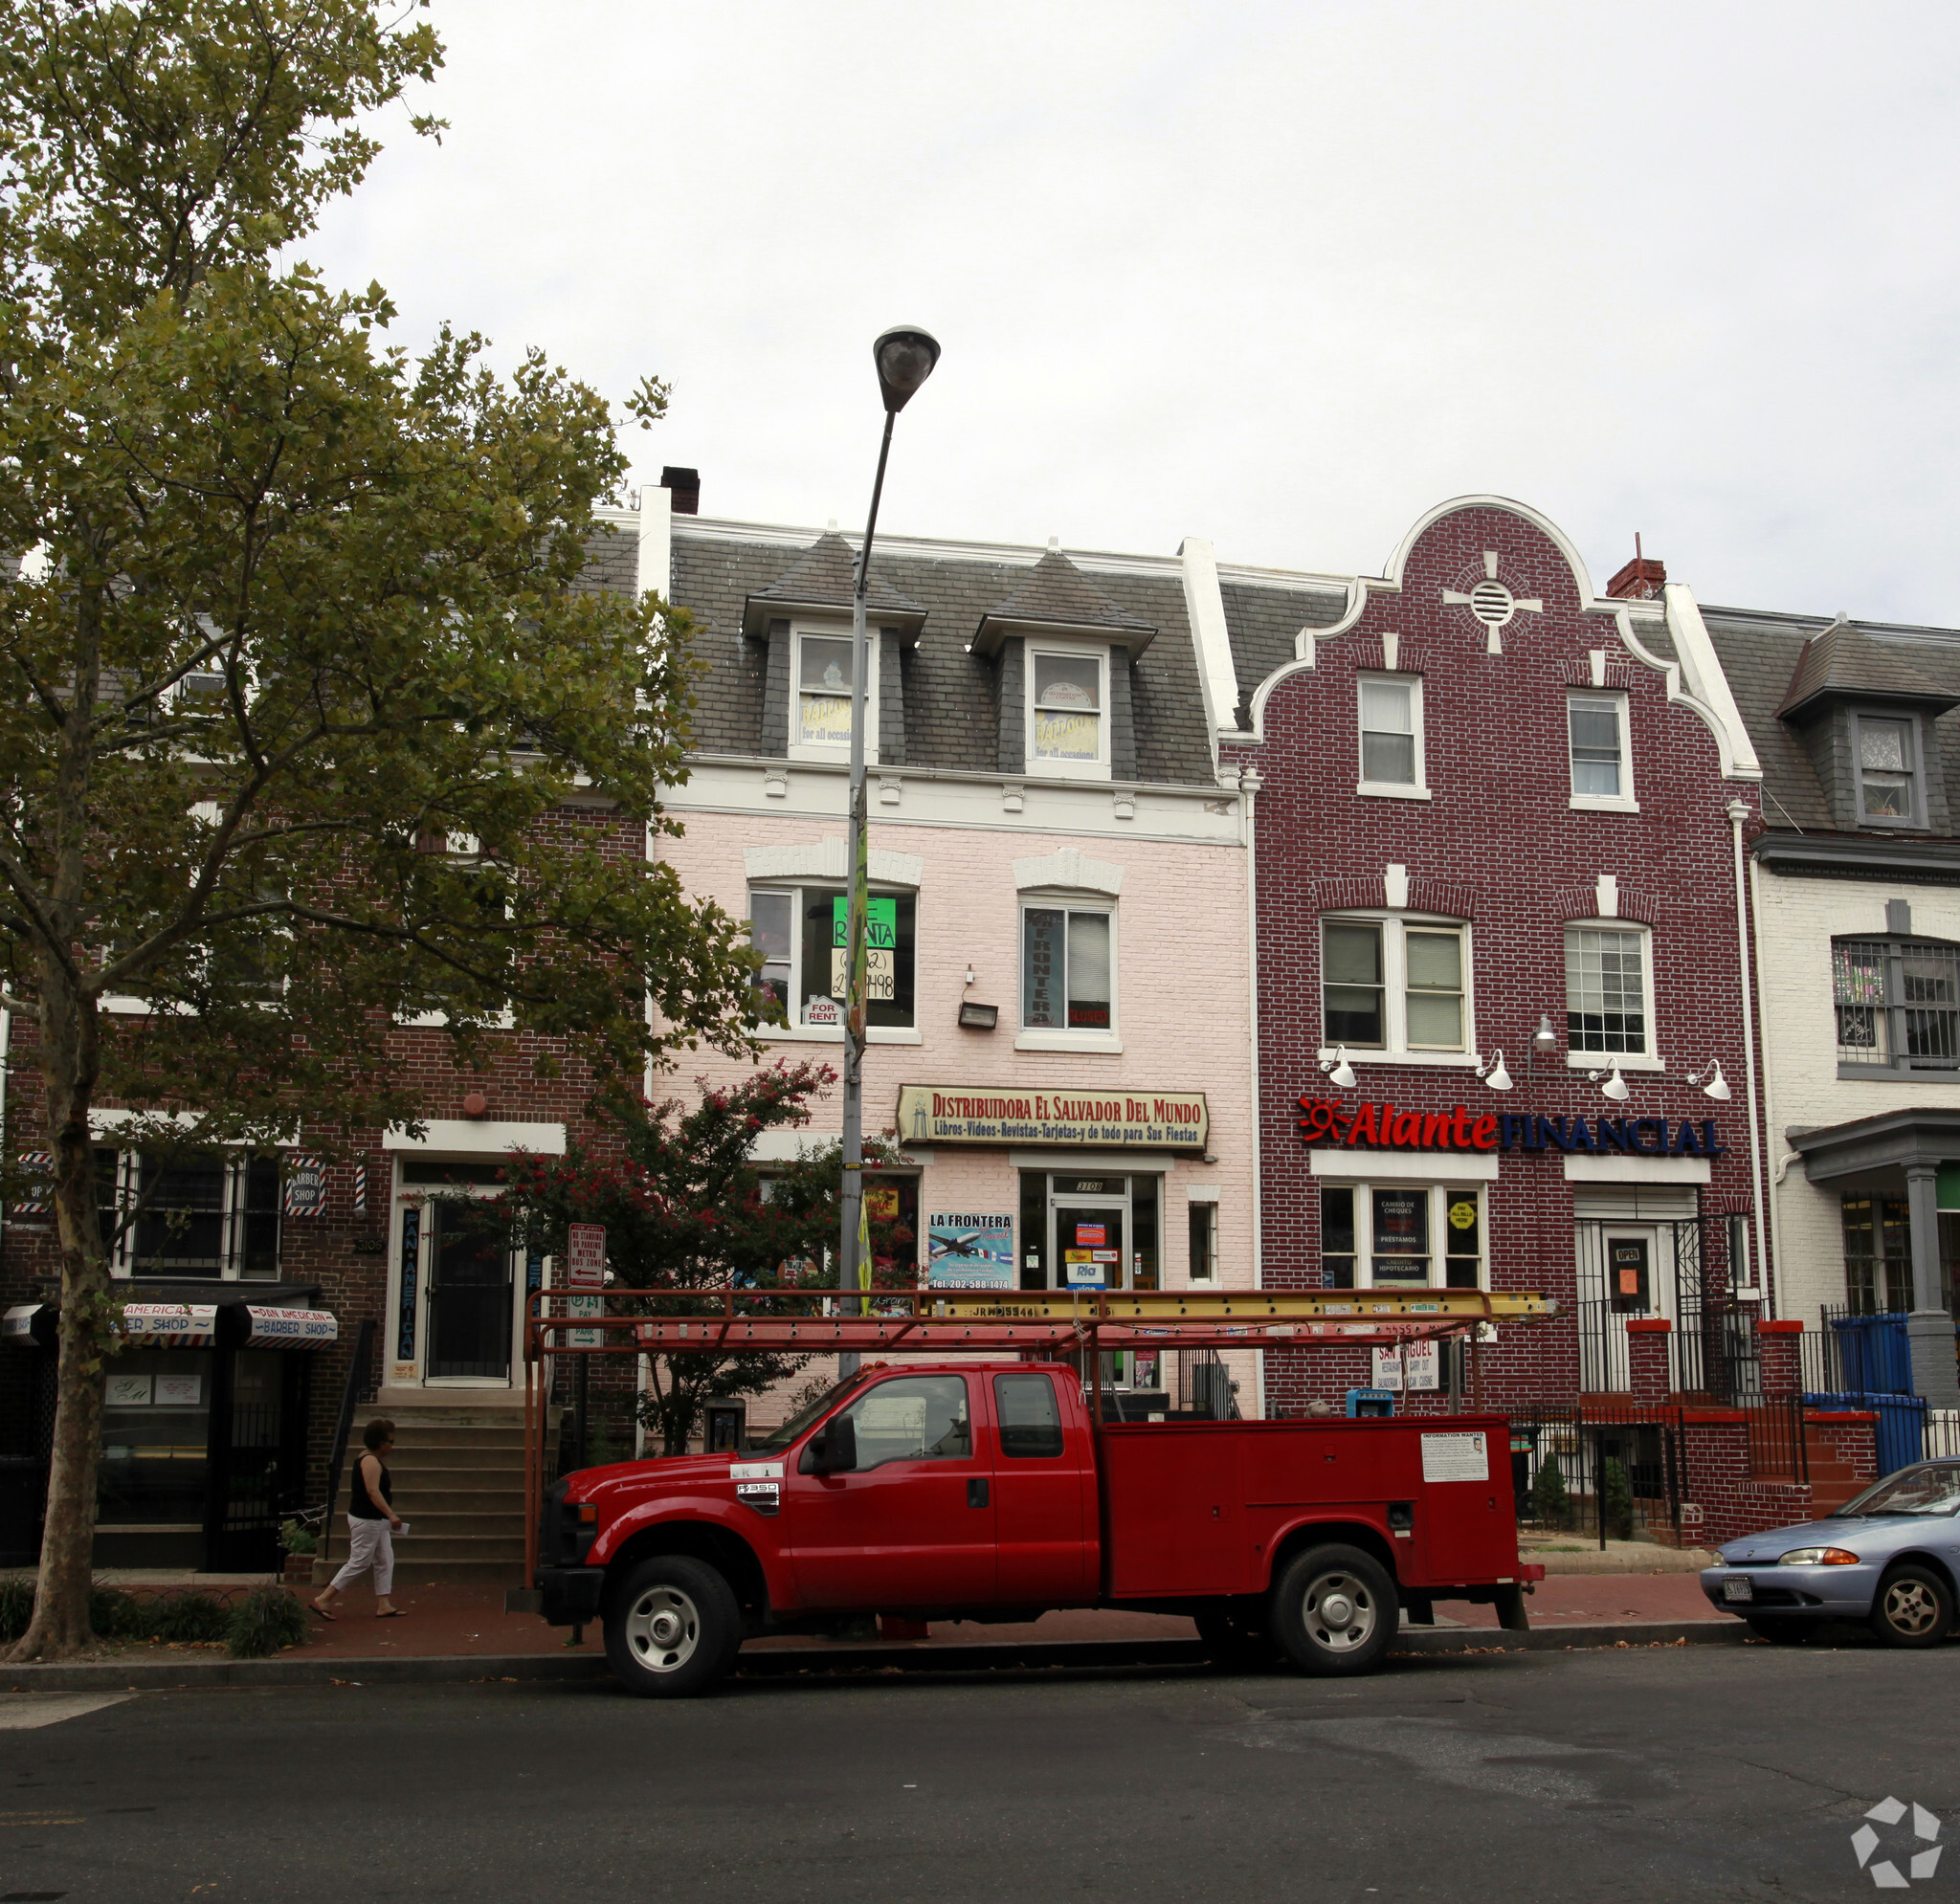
point(1204, 1200)
point(1397, 1051)
point(1440, 1193)
point(1622, 802)
point(129, 1187)
point(1915, 769)
point(1071, 651)
point(1591, 1060)
point(1063, 1038)
point(1392, 789)
point(824, 750)
point(834, 1035)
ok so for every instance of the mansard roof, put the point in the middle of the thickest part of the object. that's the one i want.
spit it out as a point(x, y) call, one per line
point(825, 576)
point(1843, 663)
point(1058, 596)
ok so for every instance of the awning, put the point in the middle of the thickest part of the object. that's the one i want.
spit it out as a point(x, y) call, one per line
point(275, 1328)
point(170, 1325)
point(29, 1326)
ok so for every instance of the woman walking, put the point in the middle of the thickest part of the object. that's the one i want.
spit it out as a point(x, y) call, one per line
point(371, 1519)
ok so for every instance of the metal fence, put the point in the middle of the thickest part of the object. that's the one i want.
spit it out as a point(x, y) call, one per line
point(1683, 1270)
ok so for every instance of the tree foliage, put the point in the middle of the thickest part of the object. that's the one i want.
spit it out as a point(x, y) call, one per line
point(305, 722)
point(686, 1207)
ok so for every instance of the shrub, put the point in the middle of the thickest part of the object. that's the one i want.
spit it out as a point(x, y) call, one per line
point(116, 1615)
point(185, 1616)
point(1551, 1504)
point(295, 1537)
point(16, 1605)
point(265, 1621)
point(1616, 1502)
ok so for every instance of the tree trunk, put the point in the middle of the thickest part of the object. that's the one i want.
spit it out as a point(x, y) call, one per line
point(70, 1063)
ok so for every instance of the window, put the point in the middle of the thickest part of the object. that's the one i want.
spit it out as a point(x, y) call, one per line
point(1401, 1236)
point(1204, 1242)
point(1067, 974)
point(1068, 728)
point(1606, 989)
point(1395, 985)
point(1390, 733)
point(1596, 735)
point(1888, 768)
point(1897, 1003)
point(820, 716)
point(209, 1216)
point(1029, 1417)
point(802, 932)
point(1878, 1255)
point(915, 1418)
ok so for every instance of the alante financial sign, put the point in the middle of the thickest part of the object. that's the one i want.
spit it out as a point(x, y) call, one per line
point(987, 1113)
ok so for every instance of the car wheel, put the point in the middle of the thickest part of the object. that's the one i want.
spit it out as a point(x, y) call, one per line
point(1781, 1633)
point(1913, 1607)
point(1334, 1611)
point(1237, 1641)
point(673, 1628)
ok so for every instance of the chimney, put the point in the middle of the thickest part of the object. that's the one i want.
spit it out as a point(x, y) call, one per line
point(1639, 581)
point(686, 487)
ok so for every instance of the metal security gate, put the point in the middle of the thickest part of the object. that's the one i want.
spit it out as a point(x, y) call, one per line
point(1678, 1269)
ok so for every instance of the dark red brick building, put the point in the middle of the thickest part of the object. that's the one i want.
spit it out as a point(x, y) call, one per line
point(1497, 832)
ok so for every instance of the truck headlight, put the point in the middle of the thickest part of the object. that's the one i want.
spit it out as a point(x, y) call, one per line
point(1818, 1557)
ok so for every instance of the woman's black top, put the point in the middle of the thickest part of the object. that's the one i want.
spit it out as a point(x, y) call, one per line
point(361, 1507)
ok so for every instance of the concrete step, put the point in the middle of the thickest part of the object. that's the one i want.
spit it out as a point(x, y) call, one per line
point(412, 1503)
point(433, 1573)
point(454, 1454)
point(414, 1437)
point(434, 1522)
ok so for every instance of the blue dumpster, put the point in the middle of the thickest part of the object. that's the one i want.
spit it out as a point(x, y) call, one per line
point(1877, 1361)
point(1900, 1432)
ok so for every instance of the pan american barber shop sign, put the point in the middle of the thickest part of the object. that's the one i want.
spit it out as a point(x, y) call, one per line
point(1383, 1127)
point(988, 1114)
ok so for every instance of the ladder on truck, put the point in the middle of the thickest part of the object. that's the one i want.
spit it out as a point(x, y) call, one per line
point(1056, 1324)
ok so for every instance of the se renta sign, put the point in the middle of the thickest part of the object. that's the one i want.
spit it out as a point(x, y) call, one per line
point(1383, 1127)
point(995, 1114)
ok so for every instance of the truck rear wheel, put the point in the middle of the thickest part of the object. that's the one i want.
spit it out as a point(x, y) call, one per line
point(672, 1628)
point(1334, 1611)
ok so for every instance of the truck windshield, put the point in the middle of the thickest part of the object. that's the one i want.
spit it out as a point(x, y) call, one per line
point(780, 1438)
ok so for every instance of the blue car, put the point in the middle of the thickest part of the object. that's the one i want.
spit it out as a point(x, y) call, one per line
point(1890, 1558)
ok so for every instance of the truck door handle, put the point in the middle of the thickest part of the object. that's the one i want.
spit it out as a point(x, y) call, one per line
point(976, 1493)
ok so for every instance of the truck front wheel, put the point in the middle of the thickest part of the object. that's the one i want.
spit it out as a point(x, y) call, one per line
point(1333, 1611)
point(672, 1628)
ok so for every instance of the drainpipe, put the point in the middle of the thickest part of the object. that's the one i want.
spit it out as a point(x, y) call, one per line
point(1249, 785)
point(1769, 1120)
point(1738, 812)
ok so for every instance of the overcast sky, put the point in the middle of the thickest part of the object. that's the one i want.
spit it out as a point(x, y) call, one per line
point(1284, 276)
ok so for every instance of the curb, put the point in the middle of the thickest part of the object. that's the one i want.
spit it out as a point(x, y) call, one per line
point(788, 1662)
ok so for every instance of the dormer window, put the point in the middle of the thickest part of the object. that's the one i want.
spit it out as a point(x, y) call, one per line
point(1889, 776)
point(820, 720)
point(1068, 727)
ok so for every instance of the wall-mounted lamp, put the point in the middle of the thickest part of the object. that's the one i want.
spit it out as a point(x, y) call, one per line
point(1494, 1072)
point(1614, 1086)
point(978, 1017)
point(1337, 1067)
point(1709, 1078)
point(969, 975)
point(1544, 1040)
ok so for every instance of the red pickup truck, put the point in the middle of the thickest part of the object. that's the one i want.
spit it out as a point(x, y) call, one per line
point(981, 1491)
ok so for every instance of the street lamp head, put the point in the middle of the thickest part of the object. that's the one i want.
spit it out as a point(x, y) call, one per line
point(904, 358)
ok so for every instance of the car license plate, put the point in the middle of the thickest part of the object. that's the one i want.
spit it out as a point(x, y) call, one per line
point(1738, 1589)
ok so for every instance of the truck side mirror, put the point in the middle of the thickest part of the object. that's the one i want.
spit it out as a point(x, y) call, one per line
point(834, 1451)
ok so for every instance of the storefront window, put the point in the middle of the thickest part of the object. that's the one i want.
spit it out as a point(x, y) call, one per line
point(1401, 1236)
point(1878, 1255)
point(156, 1435)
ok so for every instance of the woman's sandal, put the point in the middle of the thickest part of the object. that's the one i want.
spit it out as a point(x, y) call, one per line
point(322, 1611)
point(392, 1613)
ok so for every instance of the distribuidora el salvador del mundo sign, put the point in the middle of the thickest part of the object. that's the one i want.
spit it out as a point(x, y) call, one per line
point(995, 1114)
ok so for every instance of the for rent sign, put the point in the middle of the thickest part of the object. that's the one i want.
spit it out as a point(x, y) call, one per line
point(990, 1114)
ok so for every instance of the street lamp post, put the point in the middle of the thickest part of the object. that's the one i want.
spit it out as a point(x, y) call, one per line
point(904, 358)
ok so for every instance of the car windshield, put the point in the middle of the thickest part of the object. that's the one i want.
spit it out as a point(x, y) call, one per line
point(1932, 1488)
point(778, 1439)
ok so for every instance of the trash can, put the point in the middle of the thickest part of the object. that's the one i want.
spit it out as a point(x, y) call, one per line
point(1876, 1360)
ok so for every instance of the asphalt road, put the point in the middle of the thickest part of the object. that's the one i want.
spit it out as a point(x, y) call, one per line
point(1720, 1772)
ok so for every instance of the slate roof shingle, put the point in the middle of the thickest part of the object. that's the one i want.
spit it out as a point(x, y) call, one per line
point(1845, 664)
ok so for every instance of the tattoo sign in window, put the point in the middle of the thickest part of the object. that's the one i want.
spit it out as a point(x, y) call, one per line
point(1066, 709)
point(823, 691)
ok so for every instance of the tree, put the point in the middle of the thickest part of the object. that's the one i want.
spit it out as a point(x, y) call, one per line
point(685, 1208)
point(1551, 1503)
point(1615, 1502)
point(305, 723)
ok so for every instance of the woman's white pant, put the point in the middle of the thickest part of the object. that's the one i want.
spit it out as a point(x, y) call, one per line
point(367, 1546)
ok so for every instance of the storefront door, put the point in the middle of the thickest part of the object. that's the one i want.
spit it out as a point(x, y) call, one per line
point(1089, 1233)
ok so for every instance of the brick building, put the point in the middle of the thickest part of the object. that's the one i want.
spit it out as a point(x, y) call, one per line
point(1498, 914)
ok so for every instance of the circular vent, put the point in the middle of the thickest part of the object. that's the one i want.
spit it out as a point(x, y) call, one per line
point(1490, 601)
